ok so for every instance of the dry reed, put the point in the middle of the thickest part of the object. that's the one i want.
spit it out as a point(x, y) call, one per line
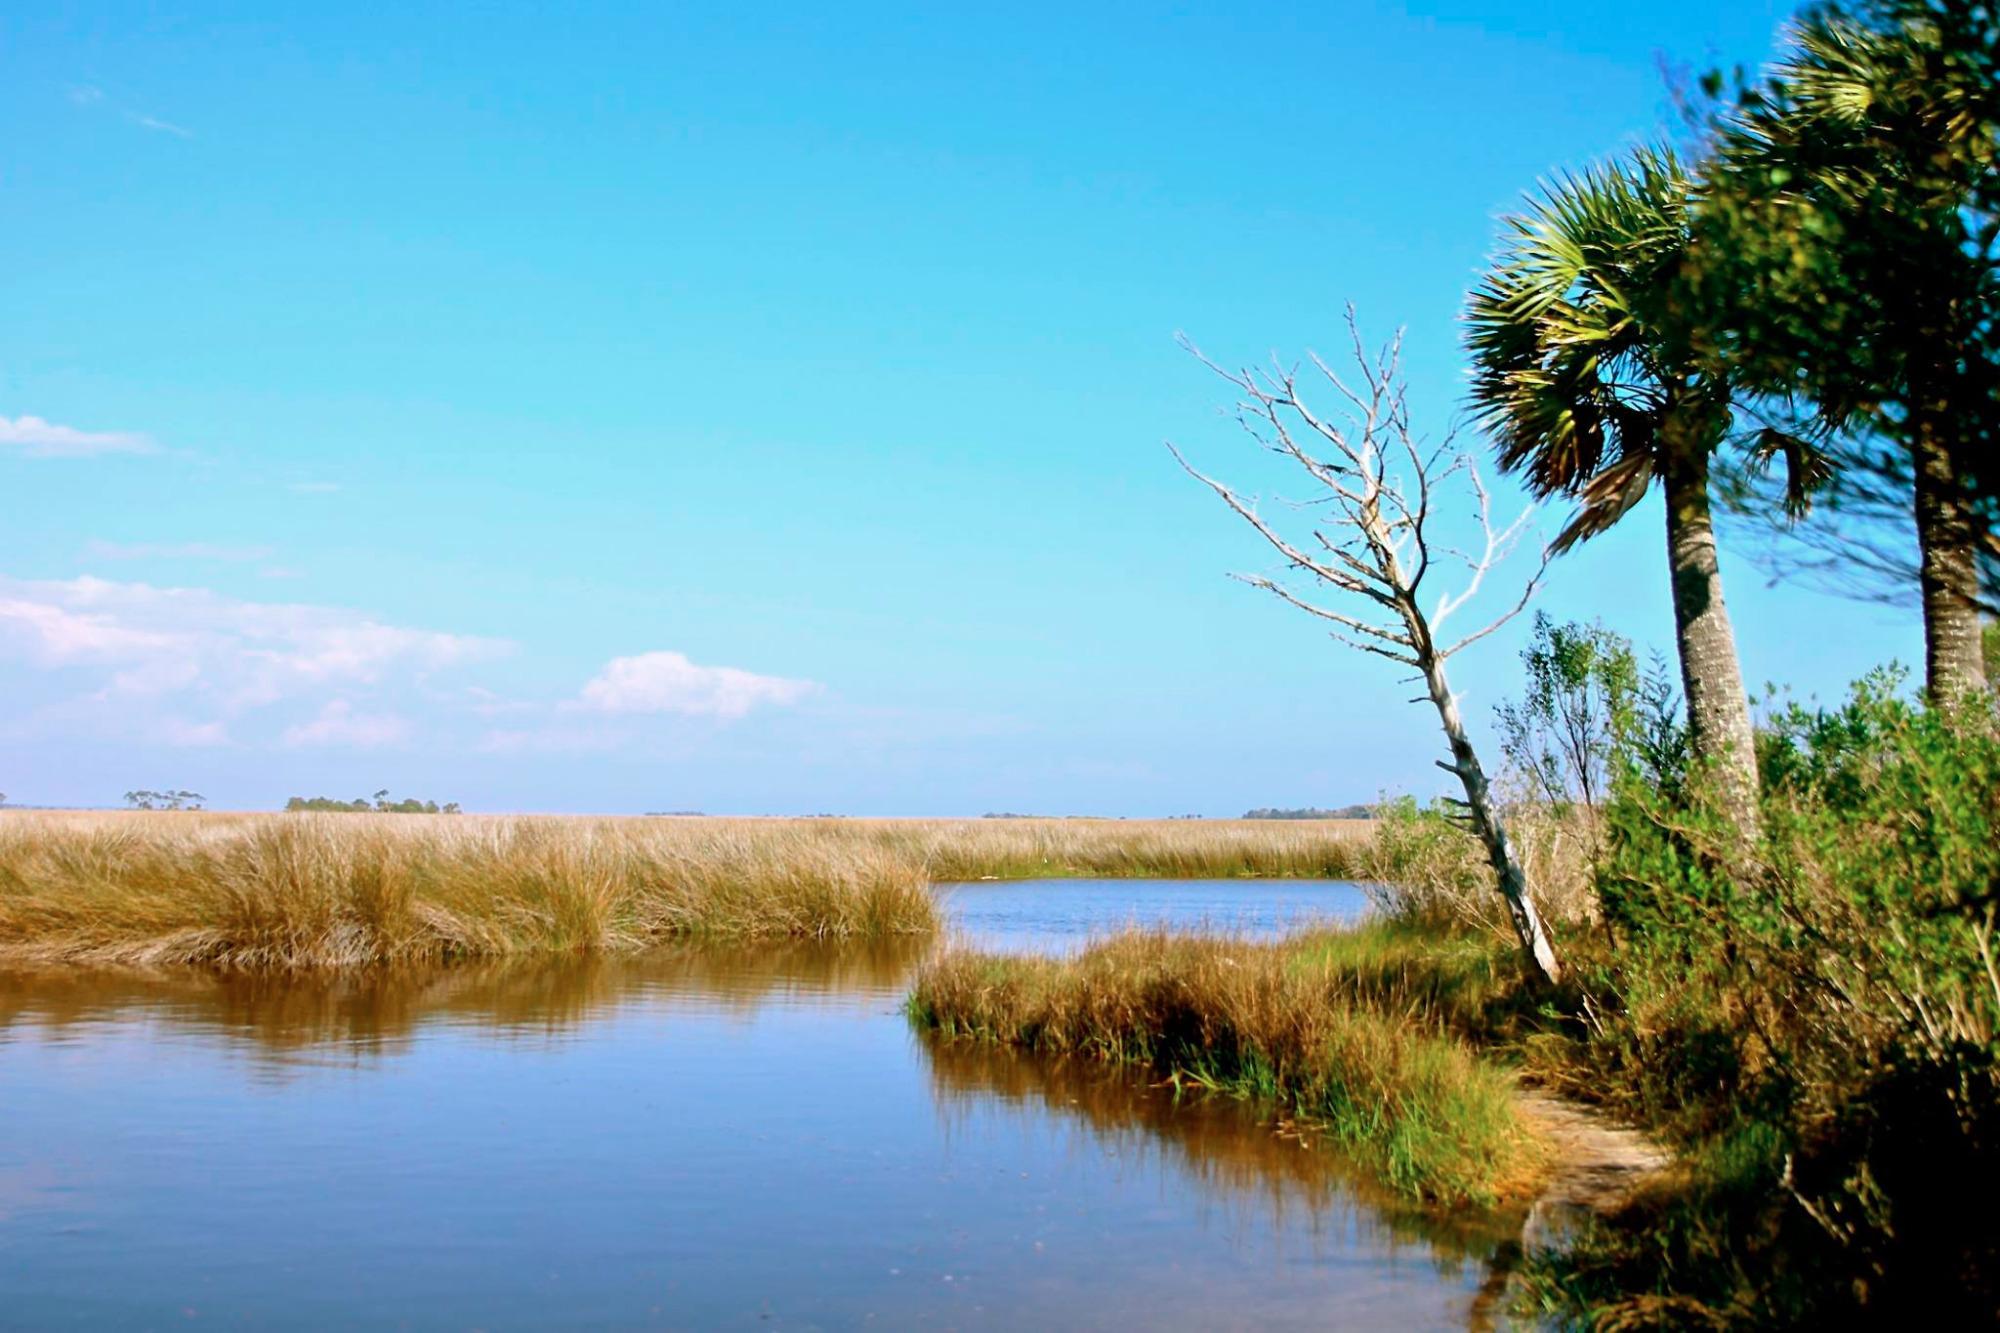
point(1157, 848)
point(332, 890)
point(301, 890)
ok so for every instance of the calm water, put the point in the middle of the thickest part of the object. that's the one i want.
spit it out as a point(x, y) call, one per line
point(1058, 915)
point(692, 1138)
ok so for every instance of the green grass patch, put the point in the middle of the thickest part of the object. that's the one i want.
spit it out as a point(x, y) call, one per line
point(1294, 1024)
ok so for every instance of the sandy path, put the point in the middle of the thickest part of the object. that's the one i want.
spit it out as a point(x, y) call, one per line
point(1599, 1164)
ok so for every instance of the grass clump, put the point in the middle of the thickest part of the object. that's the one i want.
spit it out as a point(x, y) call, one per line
point(323, 890)
point(1424, 866)
point(1407, 1099)
point(1461, 982)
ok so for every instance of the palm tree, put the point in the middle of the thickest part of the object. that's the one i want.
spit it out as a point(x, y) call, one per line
point(1851, 257)
point(1592, 391)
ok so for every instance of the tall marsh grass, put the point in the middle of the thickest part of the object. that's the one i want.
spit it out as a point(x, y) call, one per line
point(303, 890)
point(332, 890)
point(1130, 848)
point(1329, 1028)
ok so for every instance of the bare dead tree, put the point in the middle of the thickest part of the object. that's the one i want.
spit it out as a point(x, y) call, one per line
point(1376, 543)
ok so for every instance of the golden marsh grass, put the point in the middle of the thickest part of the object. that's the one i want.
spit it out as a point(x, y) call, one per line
point(1335, 1028)
point(332, 890)
point(309, 890)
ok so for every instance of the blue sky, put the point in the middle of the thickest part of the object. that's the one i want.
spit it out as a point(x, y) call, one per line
point(750, 409)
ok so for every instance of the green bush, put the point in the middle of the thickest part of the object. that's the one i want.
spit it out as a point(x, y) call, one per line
point(1813, 1018)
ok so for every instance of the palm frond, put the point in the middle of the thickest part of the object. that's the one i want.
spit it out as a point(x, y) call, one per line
point(1570, 366)
point(1807, 467)
point(1610, 496)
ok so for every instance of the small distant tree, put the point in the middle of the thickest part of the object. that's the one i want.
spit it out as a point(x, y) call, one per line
point(1650, 733)
point(144, 799)
point(1380, 488)
point(1581, 680)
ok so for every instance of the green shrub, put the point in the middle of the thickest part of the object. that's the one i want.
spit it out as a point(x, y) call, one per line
point(1814, 1019)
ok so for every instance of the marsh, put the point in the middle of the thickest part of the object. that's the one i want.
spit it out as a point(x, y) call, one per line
point(707, 1134)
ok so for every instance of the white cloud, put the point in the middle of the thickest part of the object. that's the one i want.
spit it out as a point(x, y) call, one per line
point(89, 95)
point(667, 682)
point(186, 666)
point(193, 735)
point(103, 550)
point(550, 740)
point(146, 122)
point(137, 645)
point(55, 636)
point(338, 724)
point(38, 438)
point(478, 699)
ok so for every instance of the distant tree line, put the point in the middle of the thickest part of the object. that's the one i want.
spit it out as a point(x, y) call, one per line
point(1012, 814)
point(165, 800)
point(1312, 812)
point(379, 803)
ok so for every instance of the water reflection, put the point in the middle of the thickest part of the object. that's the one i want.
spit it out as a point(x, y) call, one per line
point(1239, 1159)
point(694, 1136)
point(377, 1011)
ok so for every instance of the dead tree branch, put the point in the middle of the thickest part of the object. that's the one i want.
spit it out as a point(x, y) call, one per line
point(1380, 483)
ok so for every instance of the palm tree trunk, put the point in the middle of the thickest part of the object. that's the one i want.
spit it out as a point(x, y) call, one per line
point(1948, 572)
point(1719, 730)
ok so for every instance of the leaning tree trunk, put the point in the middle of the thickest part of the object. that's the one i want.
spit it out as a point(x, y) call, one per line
point(1374, 546)
point(1948, 572)
point(1719, 731)
point(1481, 813)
